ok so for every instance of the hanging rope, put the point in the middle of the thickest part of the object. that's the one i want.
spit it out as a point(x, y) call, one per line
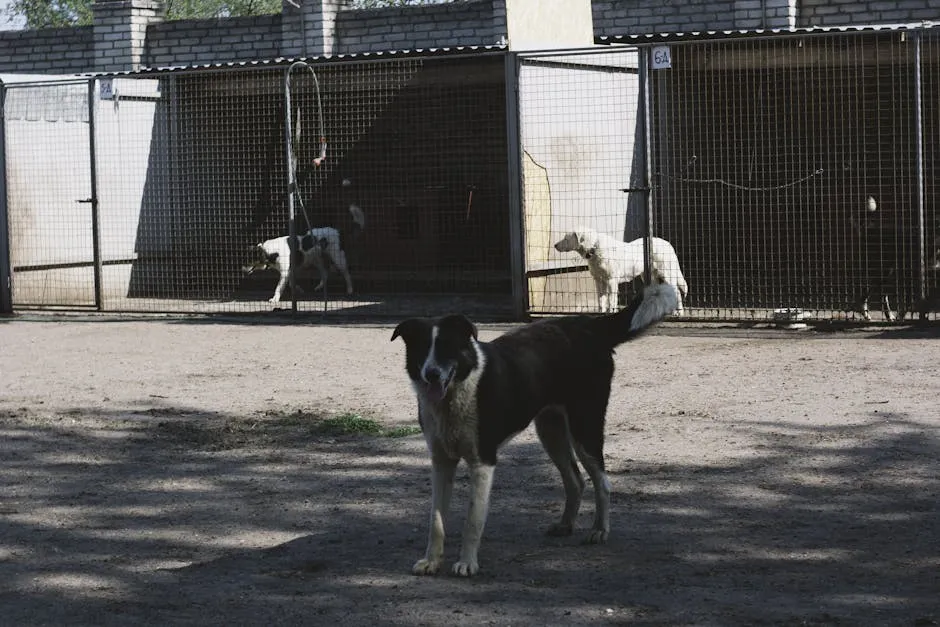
point(295, 137)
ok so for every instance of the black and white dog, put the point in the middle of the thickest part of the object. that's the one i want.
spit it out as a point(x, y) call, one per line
point(474, 396)
point(320, 247)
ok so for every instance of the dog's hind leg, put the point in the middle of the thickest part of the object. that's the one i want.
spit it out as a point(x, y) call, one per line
point(322, 270)
point(613, 295)
point(594, 465)
point(442, 483)
point(886, 309)
point(586, 422)
point(279, 290)
point(339, 258)
point(552, 428)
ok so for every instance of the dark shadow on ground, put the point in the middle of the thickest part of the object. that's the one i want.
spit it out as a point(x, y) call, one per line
point(176, 517)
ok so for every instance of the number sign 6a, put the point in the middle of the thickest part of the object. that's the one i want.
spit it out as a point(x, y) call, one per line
point(660, 59)
point(106, 89)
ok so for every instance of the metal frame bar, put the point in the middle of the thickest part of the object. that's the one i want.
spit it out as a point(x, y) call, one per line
point(919, 165)
point(520, 291)
point(643, 55)
point(291, 185)
point(95, 217)
point(6, 274)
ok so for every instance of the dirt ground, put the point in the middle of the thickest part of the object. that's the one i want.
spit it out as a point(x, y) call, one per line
point(168, 472)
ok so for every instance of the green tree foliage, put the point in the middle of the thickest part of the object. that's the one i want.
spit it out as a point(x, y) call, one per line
point(56, 13)
point(51, 13)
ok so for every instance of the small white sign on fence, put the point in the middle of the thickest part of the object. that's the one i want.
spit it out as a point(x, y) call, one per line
point(660, 58)
point(106, 88)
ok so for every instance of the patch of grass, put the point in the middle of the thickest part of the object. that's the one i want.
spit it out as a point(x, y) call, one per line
point(348, 424)
point(297, 418)
point(402, 432)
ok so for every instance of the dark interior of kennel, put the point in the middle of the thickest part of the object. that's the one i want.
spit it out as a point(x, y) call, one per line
point(766, 153)
point(423, 142)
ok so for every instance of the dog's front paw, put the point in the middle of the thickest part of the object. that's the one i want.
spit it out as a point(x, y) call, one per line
point(596, 536)
point(465, 569)
point(273, 300)
point(425, 566)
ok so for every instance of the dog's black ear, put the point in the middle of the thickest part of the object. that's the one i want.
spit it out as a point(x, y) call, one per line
point(458, 324)
point(409, 329)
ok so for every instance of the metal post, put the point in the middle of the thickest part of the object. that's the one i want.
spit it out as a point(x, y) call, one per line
point(95, 222)
point(6, 274)
point(643, 57)
point(919, 161)
point(291, 184)
point(520, 292)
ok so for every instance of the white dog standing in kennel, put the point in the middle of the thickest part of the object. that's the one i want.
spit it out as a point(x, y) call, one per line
point(612, 262)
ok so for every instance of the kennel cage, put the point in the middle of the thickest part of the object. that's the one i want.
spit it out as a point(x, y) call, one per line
point(792, 172)
point(148, 191)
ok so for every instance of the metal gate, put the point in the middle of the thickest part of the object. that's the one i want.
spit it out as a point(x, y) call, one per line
point(49, 163)
point(582, 162)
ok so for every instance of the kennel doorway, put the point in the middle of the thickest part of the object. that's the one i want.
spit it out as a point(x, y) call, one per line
point(50, 192)
point(582, 149)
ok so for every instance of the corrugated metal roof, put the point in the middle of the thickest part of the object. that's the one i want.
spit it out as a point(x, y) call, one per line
point(337, 58)
point(760, 32)
point(13, 78)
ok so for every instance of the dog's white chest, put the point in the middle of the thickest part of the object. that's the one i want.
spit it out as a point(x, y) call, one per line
point(451, 426)
point(598, 269)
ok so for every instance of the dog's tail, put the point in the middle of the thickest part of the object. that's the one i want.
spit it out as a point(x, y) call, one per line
point(655, 303)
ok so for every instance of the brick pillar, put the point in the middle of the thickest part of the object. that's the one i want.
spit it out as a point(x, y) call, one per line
point(500, 33)
point(308, 27)
point(546, 24)
point(120, 28)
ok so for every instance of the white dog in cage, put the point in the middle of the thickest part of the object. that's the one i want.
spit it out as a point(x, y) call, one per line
point(612, 262)
point(318, 247)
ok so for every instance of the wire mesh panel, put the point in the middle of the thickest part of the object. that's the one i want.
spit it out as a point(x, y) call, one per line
point(785, 174)
point(419, 147)
point(929, 306)
point(399, 165)
point(578, 122)
point(48, 178)
point(183, 160)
